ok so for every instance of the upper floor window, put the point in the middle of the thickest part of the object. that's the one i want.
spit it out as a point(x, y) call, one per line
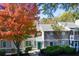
point(71, 32)
point(63, 33)
point(51, 33)
point(76, 32)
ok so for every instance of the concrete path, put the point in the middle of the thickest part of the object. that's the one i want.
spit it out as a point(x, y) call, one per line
point(34, 53)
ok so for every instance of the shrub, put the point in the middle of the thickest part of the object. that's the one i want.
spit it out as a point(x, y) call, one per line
point(52, 47)
point(52, 50)
point(68, 50)
point(57, 50)
point(42, 51)
point(14, 50)
point(28, 49)
point(2, 52)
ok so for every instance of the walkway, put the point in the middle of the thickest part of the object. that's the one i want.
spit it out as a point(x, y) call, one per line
point(34, 52)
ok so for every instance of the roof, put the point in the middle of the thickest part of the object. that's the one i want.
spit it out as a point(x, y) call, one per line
point(46, 27)
point(69, 24)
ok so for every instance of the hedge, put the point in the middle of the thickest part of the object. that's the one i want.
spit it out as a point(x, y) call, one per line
point(2, 52)
point(57, 50)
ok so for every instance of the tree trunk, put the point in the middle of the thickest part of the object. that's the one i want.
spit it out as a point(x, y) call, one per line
point(18, 48)
point(17, 44)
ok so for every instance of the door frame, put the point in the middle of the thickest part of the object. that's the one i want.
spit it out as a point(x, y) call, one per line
point(38, 45)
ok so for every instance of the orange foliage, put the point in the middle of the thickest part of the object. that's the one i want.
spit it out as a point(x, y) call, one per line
point(17, 19)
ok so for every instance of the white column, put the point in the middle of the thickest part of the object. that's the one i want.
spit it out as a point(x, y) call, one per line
point(36, 44)
point(33, 43)
point(43, 39)
point(73, 34)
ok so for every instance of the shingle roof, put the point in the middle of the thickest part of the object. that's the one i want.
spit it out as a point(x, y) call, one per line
point(46, 27)
point(69, 24)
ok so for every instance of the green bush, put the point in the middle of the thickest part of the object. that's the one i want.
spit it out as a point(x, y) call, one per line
point(13, 50)
point(68, 50)
point(28, 49)
point(52, 47)
point(2, 52)
point(42, 51)
point(57, 50)
point(52, 50)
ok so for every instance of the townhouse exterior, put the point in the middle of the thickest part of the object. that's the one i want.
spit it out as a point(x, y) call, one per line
point(68, 36)
point(48, 37)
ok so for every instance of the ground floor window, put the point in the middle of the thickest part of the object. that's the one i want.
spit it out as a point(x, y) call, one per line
point(51, 43)
point(75, 43)
point(72, 43)
point(28, 43)
point(3, 44)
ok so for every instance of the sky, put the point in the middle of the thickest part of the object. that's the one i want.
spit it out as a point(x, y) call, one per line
point(57, 13)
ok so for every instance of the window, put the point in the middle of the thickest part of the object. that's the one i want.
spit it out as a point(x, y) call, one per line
point(3, 44)
point(51, 43)
point(9, 44)
point(75, 43)
point(51, 34)
point(28, 43)
point(72, 43)
point(71, 32)
point(76, 32)
point(78, 43)
point(63, 35)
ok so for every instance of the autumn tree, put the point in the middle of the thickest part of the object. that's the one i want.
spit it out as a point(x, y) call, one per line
point(48, 21)
point(17, 21)
point(67, 17)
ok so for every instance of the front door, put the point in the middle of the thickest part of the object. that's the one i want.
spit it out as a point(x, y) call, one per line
point(39, 45)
